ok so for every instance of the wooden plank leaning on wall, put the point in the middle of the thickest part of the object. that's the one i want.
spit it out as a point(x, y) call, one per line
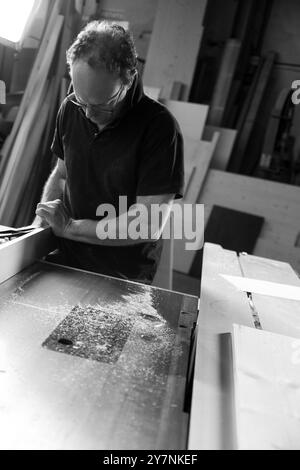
point(224, 82)
point(174, 45)
point(14, 153)
point(196, 169)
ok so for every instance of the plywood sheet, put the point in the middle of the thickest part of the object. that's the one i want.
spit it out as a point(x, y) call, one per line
point(267, 384)
point(152, 92)
point(191, 117)
point(198, 162)
point(177, 29)
point(224, 146)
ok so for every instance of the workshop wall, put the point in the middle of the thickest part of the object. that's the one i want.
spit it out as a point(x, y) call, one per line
point(140, 15)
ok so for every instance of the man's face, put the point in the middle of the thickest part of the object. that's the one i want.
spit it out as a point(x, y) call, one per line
point(99, 92)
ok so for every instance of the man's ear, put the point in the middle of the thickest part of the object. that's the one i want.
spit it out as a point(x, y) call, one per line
point(134, 74)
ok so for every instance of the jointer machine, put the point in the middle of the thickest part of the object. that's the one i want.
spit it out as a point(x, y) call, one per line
point(92, 362)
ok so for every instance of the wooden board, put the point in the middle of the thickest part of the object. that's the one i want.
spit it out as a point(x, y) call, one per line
point(201, 164)
point(39, 73)
point(22, 67)
point(12, 153)
point(16, 187)
point(177, 29)
point(212, 426)
point(191, 117)
point(152, 92)
point(22, 252)
point(164, 274)
point(127, 398)
point(277, 203)
point(177, 91)
point(224, 146)
point(192, 152)
point(197, 165)
point(238, 160)
point(223, 86)
point(267, 383)
point(274, 121)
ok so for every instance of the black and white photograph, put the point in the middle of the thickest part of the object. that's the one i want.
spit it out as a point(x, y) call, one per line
point(149, 228)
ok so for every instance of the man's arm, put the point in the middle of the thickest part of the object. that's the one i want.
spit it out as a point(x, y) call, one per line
point(97, 233)
point(53, 188)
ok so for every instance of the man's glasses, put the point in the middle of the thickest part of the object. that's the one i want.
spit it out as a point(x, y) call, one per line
point(101, 107)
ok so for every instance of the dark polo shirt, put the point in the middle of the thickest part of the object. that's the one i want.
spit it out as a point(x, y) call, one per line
point(138, 154)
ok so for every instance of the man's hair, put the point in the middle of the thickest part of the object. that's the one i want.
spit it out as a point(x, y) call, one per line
point(103, 44)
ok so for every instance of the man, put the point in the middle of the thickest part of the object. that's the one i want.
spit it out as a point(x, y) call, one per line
point(110, 141)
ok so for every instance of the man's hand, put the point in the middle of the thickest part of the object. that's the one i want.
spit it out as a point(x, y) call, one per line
point(55, 214)
point(39, 222)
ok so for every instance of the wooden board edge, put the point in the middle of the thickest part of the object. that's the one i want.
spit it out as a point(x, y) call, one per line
point(24, 251)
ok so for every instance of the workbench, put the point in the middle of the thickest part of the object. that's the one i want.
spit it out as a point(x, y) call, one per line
point(88, 361)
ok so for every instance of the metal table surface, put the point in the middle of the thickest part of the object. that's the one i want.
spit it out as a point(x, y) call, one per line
point(87, 386)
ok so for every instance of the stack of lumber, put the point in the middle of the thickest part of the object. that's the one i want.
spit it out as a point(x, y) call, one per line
point(23, 154)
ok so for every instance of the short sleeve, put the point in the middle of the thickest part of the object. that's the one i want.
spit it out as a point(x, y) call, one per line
point(161, 168)
point(57, 143)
